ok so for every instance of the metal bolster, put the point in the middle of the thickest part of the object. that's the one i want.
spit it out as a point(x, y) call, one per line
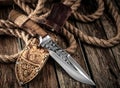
point(43, 40)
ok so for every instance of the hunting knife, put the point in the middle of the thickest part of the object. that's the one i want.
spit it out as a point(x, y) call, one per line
point(59, 55)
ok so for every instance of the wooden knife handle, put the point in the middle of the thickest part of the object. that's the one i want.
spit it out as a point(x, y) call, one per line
point(58, 16)
point(23, 21)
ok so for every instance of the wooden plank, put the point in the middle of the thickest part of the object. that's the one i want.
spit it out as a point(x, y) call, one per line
point(102, 61)
point(6, 2)
point(46, 78)
point(7, 73)
point(111, 31)
point(8, 45)
point(117, 3)
point(66, 81)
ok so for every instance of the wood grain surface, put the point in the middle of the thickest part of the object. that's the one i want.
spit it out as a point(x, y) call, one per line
point(6, 2)
point(102, 64)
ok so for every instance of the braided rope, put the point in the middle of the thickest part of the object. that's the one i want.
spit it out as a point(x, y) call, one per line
point(91, 17)
point(24, 6)
point(25, 37)
point(96, 41)
point(6, 24)
point(73, 45)
point(38, 8)
point(72, 42)
point(88, 39)
point(16, 33)
point(71, 49)
point(74, 5)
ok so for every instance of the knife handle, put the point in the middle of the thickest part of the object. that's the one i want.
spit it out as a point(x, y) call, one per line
point(58, 16)
point(23, 21)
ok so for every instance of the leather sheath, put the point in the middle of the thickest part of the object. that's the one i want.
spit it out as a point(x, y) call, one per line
point(30, 62)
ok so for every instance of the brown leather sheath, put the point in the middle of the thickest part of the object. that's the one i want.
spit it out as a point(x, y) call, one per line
point(33, 58)
point(30, 62)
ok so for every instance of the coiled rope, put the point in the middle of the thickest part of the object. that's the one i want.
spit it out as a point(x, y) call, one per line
point(78, 33)
point(74, 4)
point(17, 33)
point(41, 12)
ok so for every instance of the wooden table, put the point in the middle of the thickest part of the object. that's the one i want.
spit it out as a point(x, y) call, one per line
point(102, 64)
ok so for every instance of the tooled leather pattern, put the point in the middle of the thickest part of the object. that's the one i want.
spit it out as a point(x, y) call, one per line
point(30, 62)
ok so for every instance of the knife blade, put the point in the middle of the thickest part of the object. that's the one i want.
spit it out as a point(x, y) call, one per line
point(59, 55)
point(65, 60)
